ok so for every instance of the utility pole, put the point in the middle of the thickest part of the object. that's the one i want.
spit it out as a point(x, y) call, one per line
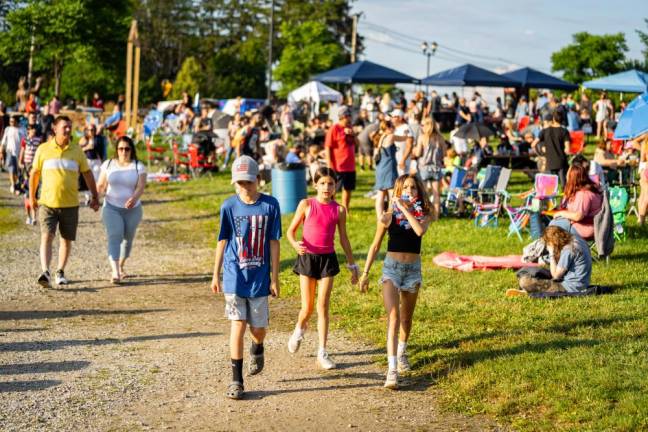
point(32, 47)
point(270, 37)
point(354, 33)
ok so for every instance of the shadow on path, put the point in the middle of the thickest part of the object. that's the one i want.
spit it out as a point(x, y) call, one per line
point(53, 314)
point(61, 344)
point(22, 386)
point(42, 367)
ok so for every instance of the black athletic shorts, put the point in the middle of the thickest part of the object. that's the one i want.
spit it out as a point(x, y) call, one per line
point(346, 181)
point(317, 266)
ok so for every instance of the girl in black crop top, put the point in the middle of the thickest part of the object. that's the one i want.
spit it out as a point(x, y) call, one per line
point(405, 223)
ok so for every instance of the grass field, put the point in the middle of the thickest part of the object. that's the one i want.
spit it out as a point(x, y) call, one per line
point(567, 364)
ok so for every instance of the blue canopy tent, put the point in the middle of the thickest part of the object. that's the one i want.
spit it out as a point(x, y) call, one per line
point(364, 72)
point(531, 78)
point(632, 81)
point(468, 75)
point(634, 119)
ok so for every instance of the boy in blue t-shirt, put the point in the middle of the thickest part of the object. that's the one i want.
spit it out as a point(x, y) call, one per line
point(248, 254)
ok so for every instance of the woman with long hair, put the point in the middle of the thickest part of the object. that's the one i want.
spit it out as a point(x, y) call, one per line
point(386, 165)
point(430, 150)
point(570, 265)
point(582, 201)
point(405, 223)
point(122, 179)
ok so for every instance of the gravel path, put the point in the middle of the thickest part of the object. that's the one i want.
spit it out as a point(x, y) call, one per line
point(153, 354)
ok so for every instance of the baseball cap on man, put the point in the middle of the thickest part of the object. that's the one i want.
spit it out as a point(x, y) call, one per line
point(397, 113)
point(244, 168)
point(344, 111)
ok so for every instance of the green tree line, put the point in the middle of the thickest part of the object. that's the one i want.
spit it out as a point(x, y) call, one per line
point(216, 47)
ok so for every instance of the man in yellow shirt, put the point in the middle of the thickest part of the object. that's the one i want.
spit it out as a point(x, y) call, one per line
point(58, 163)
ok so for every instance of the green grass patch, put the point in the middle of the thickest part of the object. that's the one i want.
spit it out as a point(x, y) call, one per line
point(566, 364)
point(9, 220)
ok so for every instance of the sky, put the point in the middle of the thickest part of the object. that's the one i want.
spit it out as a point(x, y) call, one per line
point(498, 35)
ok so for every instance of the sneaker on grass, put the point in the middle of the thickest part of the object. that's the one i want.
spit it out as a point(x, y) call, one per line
point(60, 278)
point(512, 292)
point(392, 380)
point(325, 361)
point(44, 279)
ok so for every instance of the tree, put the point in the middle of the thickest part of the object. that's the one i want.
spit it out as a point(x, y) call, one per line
point(309, 48)
point(590, 56)
point(189, 78)
point(60, 29)
point(643, 37)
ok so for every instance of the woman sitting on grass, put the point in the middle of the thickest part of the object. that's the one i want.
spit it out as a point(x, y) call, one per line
point(405, 223)
point(570, 265)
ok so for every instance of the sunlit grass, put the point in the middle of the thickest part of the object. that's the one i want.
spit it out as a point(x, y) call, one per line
point(569, 364)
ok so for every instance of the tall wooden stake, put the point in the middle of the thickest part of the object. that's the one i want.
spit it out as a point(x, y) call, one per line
point(132, 77)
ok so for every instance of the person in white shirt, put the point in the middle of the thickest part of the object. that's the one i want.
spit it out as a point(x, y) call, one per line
point(404, 140)
point(11, 148)
point(122, 179)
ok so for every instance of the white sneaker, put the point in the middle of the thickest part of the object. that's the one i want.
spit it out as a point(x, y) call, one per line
point(28, 221)
point(60, 278)
point(12, 189)
point(392, 380)
point(294, 342)
point(403, 363)
point(325, 361)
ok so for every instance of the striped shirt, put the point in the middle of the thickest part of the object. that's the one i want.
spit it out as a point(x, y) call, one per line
point(59, 168)
point(30, 145)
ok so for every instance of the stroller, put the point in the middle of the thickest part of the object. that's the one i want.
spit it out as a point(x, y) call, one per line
point(618, 202)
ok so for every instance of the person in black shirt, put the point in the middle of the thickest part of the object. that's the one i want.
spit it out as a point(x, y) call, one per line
point(556, 146)
point(47, 120)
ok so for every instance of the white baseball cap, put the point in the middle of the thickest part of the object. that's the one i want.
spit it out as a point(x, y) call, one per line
point(397, 113)
point(244, 168)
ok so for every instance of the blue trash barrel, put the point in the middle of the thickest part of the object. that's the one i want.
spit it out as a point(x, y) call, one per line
point(289, 187)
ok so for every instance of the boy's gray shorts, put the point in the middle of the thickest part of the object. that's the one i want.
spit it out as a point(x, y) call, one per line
point(254, 310)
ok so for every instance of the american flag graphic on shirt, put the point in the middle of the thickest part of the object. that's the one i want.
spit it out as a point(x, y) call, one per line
point(250, 239)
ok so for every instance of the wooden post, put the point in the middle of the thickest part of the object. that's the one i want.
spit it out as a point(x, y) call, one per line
point(129, 73)
point(136, 86)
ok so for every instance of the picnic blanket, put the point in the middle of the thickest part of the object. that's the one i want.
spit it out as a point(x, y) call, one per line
point(469, 263)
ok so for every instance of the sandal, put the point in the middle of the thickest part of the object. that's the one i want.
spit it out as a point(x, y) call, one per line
point(235, 390)
point(257, 361)
point(115, 280)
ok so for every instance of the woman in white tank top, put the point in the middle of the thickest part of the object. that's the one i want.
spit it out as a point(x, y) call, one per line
point(122, 179)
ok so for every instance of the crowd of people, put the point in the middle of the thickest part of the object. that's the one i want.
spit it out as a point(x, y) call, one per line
point(400, 140)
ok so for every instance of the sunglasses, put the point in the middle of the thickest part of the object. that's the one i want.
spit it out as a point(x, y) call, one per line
point(126, 149)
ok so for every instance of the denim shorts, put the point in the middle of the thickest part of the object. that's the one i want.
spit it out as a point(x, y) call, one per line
point(404, 276)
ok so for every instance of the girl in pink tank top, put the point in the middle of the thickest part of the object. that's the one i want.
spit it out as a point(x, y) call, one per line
point(317, 262)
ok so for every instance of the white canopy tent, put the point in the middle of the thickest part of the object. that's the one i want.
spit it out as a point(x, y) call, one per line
point(314, 92)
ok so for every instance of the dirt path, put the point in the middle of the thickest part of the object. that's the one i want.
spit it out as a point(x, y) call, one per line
point(153, 354)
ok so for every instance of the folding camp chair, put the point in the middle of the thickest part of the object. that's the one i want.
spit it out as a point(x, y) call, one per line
point(180, 159)
point(576, 142)
point(152, 152)
point(461, 187)
point(618, 202)
point(487, 213)
point(198, 163)
point(545, 191)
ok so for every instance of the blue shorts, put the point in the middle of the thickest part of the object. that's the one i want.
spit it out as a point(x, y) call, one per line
point(404, 276)
point(11, 163)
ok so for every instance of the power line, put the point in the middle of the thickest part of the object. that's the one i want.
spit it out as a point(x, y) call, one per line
point(446, 57)
point(457, 53)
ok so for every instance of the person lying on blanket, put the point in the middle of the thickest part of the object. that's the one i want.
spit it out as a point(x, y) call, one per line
point(570, 265)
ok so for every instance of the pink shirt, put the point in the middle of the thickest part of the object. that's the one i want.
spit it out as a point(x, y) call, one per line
point(588, 204)
point(319, 227)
